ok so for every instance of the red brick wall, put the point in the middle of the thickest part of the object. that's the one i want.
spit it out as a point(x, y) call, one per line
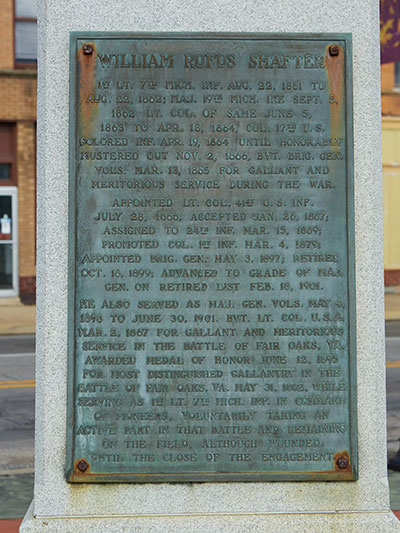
point(392, 277)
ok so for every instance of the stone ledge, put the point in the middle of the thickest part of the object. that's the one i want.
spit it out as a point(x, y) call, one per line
point(367, 522)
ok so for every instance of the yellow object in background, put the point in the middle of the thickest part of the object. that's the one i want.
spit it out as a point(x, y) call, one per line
point(391, 191)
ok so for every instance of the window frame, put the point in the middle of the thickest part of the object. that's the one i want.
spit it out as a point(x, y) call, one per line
point(18, 63)
point(12, 182)
point(14, 291)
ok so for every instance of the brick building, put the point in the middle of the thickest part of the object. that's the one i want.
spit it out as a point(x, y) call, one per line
point(17, 149)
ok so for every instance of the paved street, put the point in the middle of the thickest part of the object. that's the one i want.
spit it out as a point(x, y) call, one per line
point(393, 385)
point(17, 390)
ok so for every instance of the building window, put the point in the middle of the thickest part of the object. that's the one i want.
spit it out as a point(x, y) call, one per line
point(397, 75)
point(25, 32)
point(8, 242)
point(8, 170)
point(5, 171)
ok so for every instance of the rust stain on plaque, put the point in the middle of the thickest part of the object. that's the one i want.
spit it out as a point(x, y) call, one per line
point(334, 66)
point(88, 109)
point(342, 468)
point(81, 467)
point(342, 461)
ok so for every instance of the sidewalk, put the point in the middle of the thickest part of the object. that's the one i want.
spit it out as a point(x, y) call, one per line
point(16, 318)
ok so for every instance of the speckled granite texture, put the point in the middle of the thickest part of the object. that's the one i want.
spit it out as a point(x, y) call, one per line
point(353, 506)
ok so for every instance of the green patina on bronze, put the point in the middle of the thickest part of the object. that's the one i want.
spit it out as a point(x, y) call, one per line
point(211, 290)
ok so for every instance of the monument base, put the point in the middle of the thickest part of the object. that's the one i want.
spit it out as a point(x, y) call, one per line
point(355, 521)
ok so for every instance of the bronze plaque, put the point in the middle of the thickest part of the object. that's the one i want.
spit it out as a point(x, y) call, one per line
point(211, 291)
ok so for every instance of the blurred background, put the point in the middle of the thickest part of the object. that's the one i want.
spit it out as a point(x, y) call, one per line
point(18, 82)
